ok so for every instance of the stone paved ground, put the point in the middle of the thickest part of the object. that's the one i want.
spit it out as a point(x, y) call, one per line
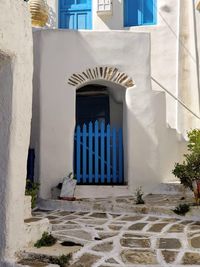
point(127, 239)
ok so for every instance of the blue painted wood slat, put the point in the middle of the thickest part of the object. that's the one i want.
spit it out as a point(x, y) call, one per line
point(102, 153)
point(96, 137)
point(114, 165)
point(120, 144)
point(78, 154)
point(90, 152)
point(84, 153)
point(108, 153)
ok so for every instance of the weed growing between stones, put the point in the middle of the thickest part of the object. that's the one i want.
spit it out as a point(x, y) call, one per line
point(47, 240)
point(182, 209)
point(32, 190)
point(62, 261)
point(139, 196)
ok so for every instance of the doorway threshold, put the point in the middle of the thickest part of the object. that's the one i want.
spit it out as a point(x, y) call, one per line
point(101, 191)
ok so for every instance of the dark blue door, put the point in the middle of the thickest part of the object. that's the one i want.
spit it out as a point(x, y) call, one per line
point(75, 14)
point(139, 12)
point(92, 108)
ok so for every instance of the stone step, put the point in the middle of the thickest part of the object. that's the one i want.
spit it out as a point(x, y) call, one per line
point(42, 257)
point(171, 188)
point(34, 228)
point(160, 204)
point(95, 191)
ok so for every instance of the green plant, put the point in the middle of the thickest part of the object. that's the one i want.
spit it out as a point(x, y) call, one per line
point(194, 141)
point(139, 196)
point(71, 175)
point(32, 189)
point(182, 209)
point(47, 240)
point(62, 260)
point(189, 171)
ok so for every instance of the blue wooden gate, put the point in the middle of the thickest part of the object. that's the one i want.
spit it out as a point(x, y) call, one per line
point(75, 14)
point(98, 154)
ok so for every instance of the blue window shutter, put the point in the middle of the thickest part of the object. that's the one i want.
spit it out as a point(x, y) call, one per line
point(131, 12)
point(139, 12)
point(149, 12)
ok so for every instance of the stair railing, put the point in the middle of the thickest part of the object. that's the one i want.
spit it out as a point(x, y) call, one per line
point(179, 101)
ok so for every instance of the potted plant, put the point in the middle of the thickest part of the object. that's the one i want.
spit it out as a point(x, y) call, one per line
point(189, 171)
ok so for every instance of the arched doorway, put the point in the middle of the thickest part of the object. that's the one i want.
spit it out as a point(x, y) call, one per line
point(98, 146)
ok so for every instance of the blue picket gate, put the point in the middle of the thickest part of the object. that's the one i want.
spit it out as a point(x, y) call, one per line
point(98, 154)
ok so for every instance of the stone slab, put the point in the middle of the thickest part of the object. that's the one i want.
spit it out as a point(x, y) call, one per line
point(53, 251)
point(169, 255)
point(169, 243)
point(191, 258)
point(104, 247)
point(135, 243)
point(86, 260)
point(157, 227)
point(137, 226)
point(195, 242)
point(176, 228)
point(138, 257)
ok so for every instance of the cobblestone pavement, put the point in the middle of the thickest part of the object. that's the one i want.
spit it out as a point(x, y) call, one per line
point(127, 239)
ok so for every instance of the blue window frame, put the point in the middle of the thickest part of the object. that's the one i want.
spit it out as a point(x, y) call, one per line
point(75, 14)
point(140, 12)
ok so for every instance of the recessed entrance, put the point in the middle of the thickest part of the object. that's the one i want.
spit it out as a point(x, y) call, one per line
point(98, 146)
point(92, 104)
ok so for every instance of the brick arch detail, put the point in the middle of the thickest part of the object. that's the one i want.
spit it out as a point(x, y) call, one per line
point(101, 73)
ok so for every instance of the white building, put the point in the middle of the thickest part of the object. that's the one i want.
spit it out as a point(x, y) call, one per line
point(133, 65)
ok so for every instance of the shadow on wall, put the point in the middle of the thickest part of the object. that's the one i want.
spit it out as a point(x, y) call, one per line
point(153, 148)
point(6, 84)
point(60, 113)
point(142, 149)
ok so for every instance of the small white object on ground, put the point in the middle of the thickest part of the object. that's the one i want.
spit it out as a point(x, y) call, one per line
point(68, 187)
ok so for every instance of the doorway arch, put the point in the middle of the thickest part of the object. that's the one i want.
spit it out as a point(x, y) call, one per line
point(98, 144)
point(103, 73)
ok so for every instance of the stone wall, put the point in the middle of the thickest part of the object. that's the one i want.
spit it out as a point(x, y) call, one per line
point(16, 69)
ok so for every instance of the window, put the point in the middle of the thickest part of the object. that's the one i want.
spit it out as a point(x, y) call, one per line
point(139, 12)
point(75, 14)
point(104, 7)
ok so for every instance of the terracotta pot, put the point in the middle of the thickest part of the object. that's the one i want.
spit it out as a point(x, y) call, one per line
point(39, 12)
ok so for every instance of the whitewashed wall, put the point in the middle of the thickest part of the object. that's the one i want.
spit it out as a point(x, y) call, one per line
point(16, 67)
point(197, 36)
point(170, 52)
point(146, 138)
